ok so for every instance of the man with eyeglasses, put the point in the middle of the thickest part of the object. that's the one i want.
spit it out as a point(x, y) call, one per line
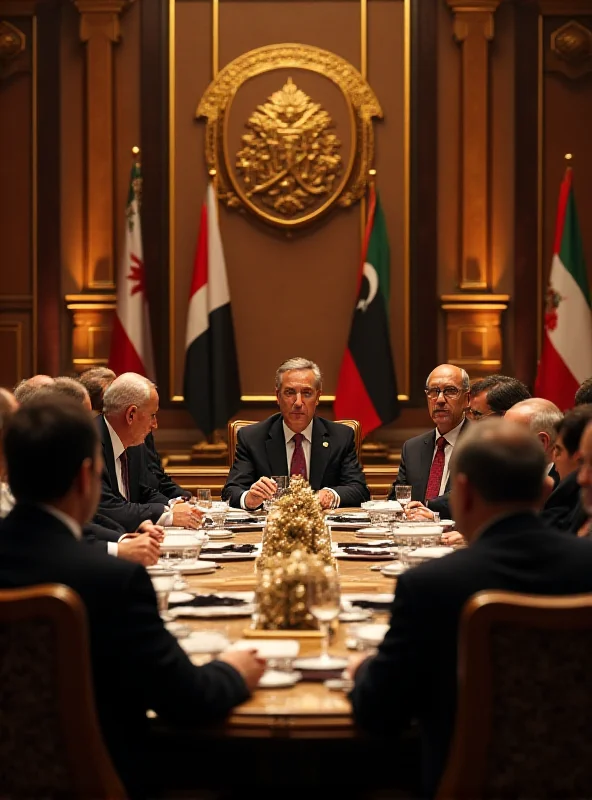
point(296, 442)
point(425, 458)
point(494, 395)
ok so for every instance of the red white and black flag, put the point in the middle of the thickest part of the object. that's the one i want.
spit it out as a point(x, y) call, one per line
point(131, 342)
point(211, 385)
point(367, 384)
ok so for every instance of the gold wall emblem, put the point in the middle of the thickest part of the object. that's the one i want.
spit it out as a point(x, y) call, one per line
point(290, 155)
point(291, 166)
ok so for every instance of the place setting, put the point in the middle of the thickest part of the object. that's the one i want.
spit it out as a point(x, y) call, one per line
point(382, 550)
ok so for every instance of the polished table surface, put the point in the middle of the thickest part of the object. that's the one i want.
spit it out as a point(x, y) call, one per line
point(308, 708)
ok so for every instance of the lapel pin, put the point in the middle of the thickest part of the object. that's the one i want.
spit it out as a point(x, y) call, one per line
point(325, 444)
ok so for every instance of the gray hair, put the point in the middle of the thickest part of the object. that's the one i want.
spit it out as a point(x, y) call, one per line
point(298, 363)
point(543, 416)
point(129, 389)
point(28, 387)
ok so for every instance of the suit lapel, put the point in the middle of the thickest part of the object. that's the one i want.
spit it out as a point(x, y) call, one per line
point(275, 446)
point(320, 452)
point(108, 456)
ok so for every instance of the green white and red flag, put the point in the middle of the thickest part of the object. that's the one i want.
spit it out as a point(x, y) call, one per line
point(566, 357)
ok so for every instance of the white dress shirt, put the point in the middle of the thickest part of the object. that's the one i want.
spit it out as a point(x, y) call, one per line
point(451, 438)
point(306, 447)
point(118, 448)
point(7, 500)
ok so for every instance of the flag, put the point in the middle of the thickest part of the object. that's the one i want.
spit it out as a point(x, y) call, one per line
point(566, 357)
point(131, 341)
point(211, 385)
point(367, 384)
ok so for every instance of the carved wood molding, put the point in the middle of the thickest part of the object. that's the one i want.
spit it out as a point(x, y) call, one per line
point(473, 29)
point(474, 338)
point(92, 317)
point(565, 8)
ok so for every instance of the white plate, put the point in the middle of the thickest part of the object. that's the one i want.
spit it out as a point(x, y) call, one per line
point(266, 648)
point(379, 597)
point(271, 679)
point(382, 505)
point(447, 523)
point(355, 616)
point(223, 533)
point(318, 663)
point(189, 568)
point(180, 597)
point(371, 634)
point(213, 612)
point(204, 642)
point(418, 530)
point(429, 552)
point(393, 570)
point(376, 532)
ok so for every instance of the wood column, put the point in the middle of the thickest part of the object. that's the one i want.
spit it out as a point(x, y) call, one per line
point(473, 30)
point(99, 30)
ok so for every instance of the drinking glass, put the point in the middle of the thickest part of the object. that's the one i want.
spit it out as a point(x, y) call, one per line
point(403, 495)
point(163, 584)
point(324, 601)
point(172, 559)
point(203, 499)
point(282, 483)
point(217, 513)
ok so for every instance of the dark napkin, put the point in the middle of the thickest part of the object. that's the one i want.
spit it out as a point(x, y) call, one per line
point(369, 545)
point(359, 551)
point(229, 548)
point(244, 520)
point(210, 600)
point(320, 674)
point(347, 518)
point(375, 605)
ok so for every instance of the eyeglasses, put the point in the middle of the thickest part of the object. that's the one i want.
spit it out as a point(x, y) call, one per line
point(449, 392)
point(477, 415)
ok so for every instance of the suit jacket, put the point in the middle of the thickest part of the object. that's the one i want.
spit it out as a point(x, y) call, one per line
point(414, 673)
point(156, 477)
point(136, 663)
point(144, 502)
point(261, 450)
point(563, 509)
point(414, 470)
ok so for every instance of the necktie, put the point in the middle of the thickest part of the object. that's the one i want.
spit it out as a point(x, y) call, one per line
point(124, 474)
point(437, 470)
point(298, 463)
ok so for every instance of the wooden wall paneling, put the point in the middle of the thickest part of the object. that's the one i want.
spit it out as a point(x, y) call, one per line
point(424, 195)
point(49, 305)
point(526, 299)
point(154, 127)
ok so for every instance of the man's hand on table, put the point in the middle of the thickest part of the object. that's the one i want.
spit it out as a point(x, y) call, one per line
point(156, 531)
point(250, 666)
point(186, 516)
point(142, 548)
point(416, 510)
point(452, 537)
point(326, 498)
point(263, 489)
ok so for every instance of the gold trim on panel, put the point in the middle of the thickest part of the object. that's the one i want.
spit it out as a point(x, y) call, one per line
point(172, 317)
point(475, 298)
point(364, 39)
point(474, 306)
point(34, 217)
point(215, 37)
point(91, 306)
point(91, 298)
point(86, 362)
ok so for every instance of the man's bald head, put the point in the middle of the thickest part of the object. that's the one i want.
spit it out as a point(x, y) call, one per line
point(28, 387)
point(541, 417)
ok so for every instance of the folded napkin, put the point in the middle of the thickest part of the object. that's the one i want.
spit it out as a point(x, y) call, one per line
point(368, 545)
point(320, 674)
point(210, 600)
point(348, 518)
point(376, 605)
point(359, 551)
point(229, 548)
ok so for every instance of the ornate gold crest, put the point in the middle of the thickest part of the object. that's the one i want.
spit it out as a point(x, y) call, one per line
point(290, 167)
point(290, 156)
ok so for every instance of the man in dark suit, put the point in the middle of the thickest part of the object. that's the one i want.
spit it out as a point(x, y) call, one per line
point(542, 417)
point(130, 406)
point(54, 464)
point(425, 459)
point(494, 395)
point(296, 442)
point(498, 480)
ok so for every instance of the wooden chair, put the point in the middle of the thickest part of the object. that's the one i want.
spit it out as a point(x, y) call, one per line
point(524, 699)
point(50, 743)
point(235, 426)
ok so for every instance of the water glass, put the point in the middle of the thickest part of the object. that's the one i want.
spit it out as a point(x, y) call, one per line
point(203, 499)
point(163, 584)
point(323, 598)
point(217, 513)
point(282, 483)
point(403, 495)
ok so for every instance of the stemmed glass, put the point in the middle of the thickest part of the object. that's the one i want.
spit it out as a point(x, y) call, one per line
point(163, 584)
point(282, 482)
point(403, 495)
point(324, 601)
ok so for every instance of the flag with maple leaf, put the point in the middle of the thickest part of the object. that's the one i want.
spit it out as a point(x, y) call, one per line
point(131, 340)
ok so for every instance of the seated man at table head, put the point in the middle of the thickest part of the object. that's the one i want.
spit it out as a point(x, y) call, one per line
point(296, 442)
point(54, 461)
point(542, 417)
point(425, 459)
point(494, 395)
point(130, 408)
point(498, 484)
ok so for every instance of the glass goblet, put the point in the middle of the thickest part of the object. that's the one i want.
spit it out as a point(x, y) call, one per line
point(163, 584)
point(323, 598)
point(403, 495)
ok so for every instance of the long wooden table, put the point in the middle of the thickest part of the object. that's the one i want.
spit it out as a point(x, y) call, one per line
point(307, 708)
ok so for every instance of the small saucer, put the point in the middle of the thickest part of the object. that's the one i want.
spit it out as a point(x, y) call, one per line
point(318, 663)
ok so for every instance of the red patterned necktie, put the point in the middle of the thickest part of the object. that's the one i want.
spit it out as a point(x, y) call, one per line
point(298, 463)
point(437, 470)
point(124, 474)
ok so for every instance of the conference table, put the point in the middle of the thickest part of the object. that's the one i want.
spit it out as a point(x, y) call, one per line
point(307, 723)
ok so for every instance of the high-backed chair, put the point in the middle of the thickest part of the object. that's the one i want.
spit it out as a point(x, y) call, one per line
point(524, 699)
point(235, 426)
point(50, 742)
